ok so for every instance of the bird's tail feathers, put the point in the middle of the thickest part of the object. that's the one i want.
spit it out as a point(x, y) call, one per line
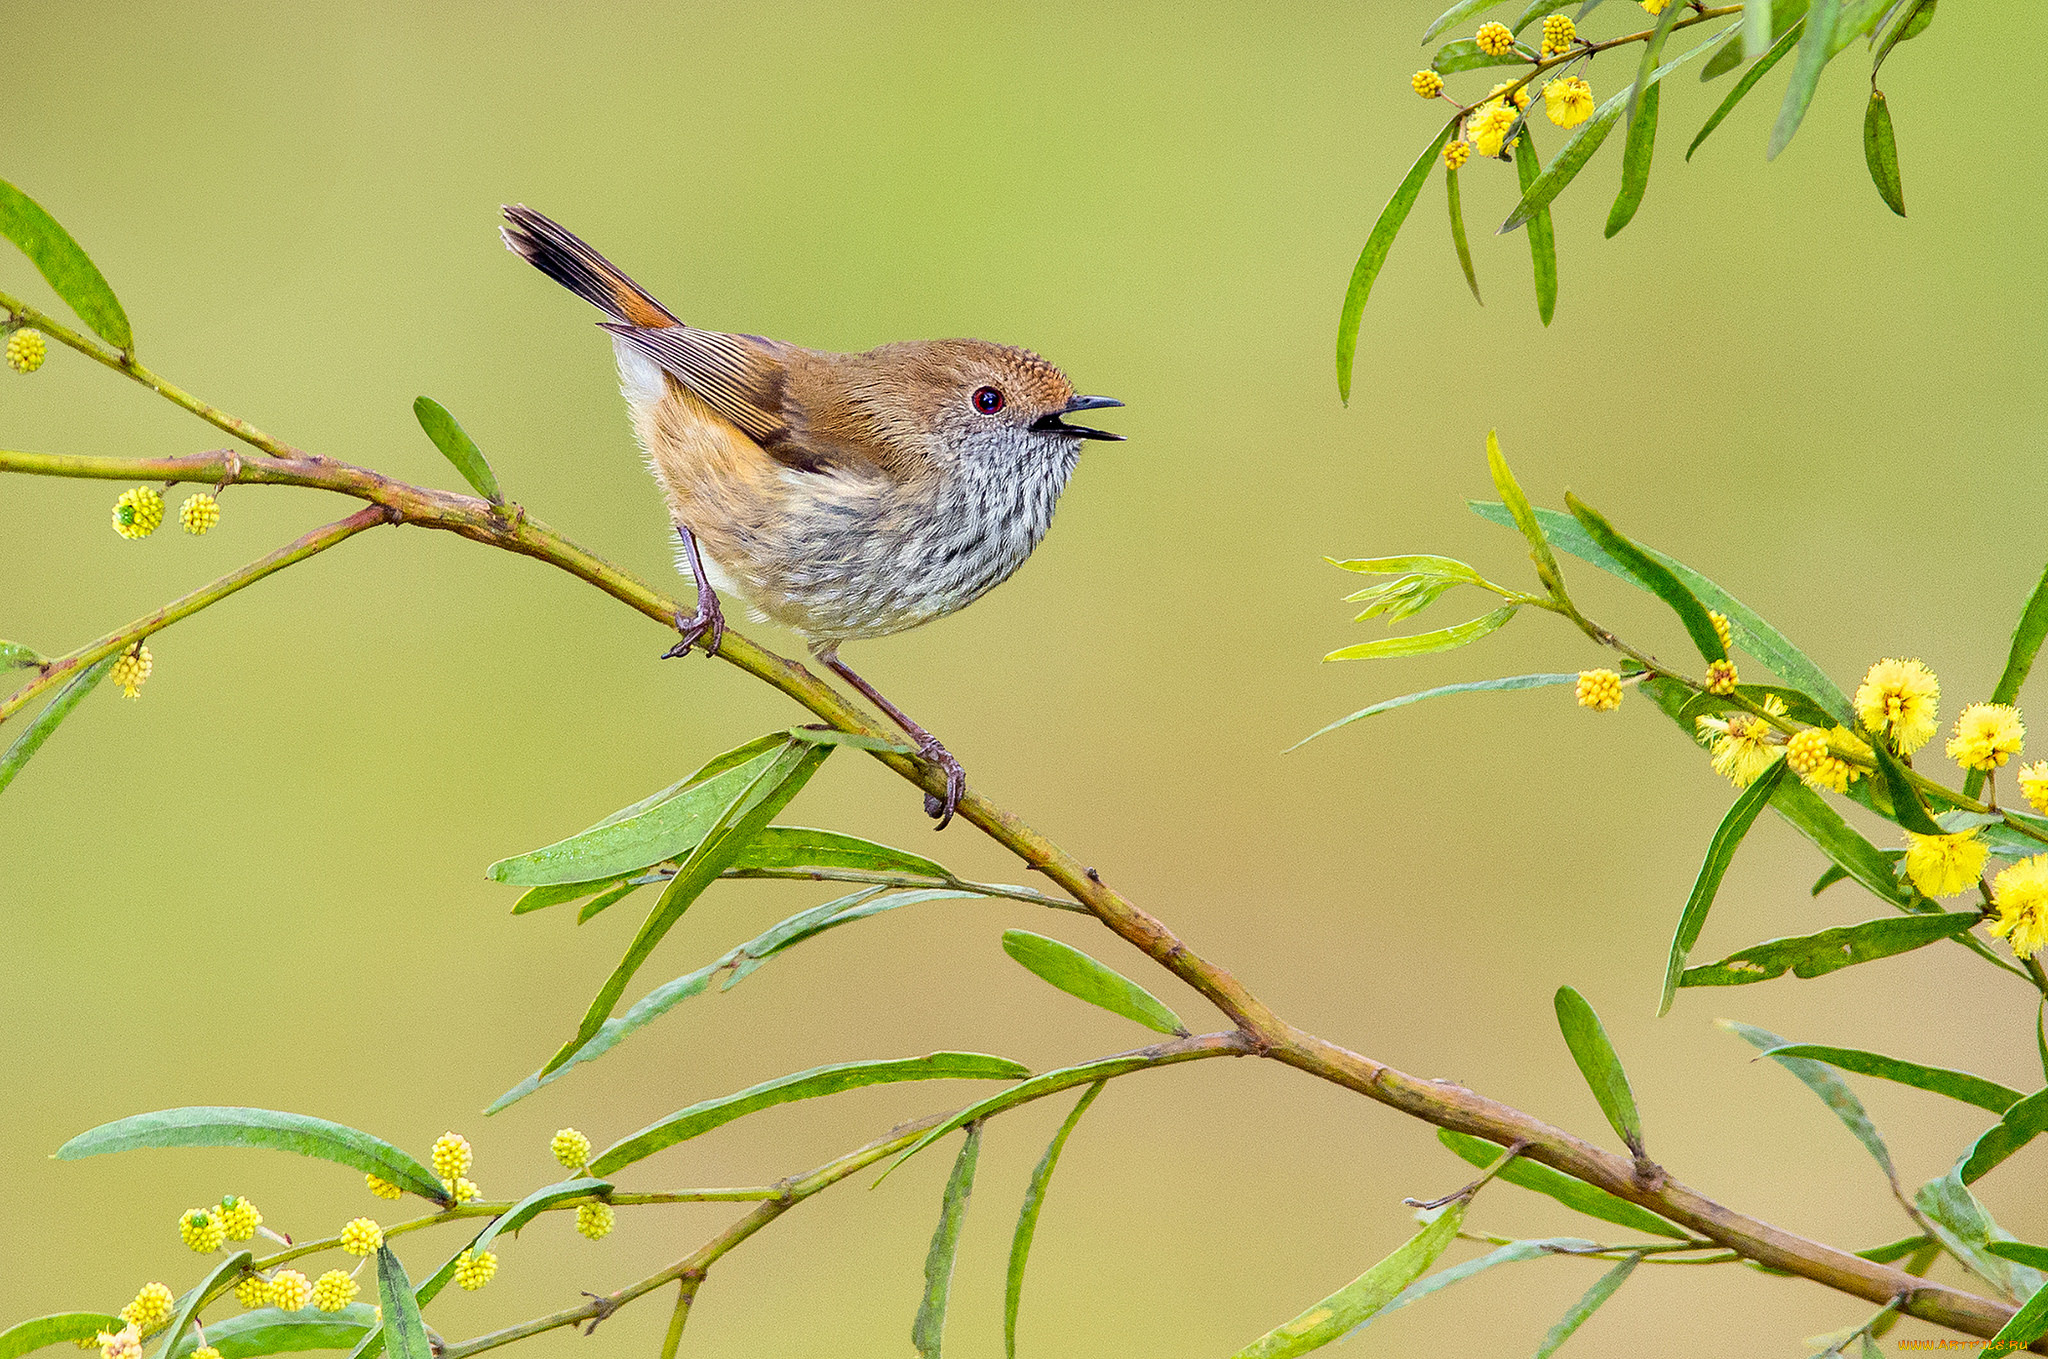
point(559, 254)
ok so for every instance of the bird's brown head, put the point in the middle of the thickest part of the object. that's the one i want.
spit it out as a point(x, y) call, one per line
point(982, 402)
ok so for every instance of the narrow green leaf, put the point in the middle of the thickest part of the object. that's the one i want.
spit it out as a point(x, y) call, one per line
point(1523, 515)
point(1604, 1287)
point(1456, 14)
point(1824, 1083)
point(605, 900)
point(1815, 955)
point(1907, 808)
point(1464, 55)
point(2020, 1251)
point(1084, 978)
point(1941, 1080)
point(1565, 165)
point(738, 962)
point(824, 1080)
point(457, 447)
point(372, 1344)
point(666, 826)
point(536, 1203)
point(1417, 563)
point(1542, 238)
point(1635, 158)
point(68, 268)
point(540, 898)
point(2019, 1125)
point(1574, 1194)
point(405, 1335)
point(1730, 54)
point(1027, 1217)
point(1423, 643)
point(1471, 687)
point(1752, 633)
point(928, 1331)
point(2027, 636)
point(217, 1126)
point(269, 1331)
point(1855, 19)
point(1658, 578)
point(736, 826)
point(1853, 855)
point(55, 711)
point(2041, 1033)
point(1458, 241)
point(1512, 1253)
point(1375, 254)
point(800, 847)
point(2027, 1325)
point(1909, 19)
point(1894, 1250)
point(14, 655)
point(1959, 1221)
point(1881, 153)
point(1360, 1300)
point(1757, 71)
point(25, 1337)
point(1720, 853)
point(1587, 1038)
point(826, 736)
point(188, 1306)
point(1806, 69)
point(1653, 50)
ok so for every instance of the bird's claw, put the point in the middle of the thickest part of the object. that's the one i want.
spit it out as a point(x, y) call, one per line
point(941, 809)
point(710, 619)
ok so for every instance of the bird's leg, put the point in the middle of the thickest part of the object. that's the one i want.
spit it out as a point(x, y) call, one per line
point(708, 617)
point(934, 754)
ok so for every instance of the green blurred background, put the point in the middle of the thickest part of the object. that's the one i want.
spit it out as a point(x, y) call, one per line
point(263, 883)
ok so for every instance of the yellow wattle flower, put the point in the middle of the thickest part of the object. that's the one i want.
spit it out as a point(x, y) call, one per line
point(289, 1290)
point(2019, 896)
point(1987, 735)
point(2034, 785)
point(334, 1291)
point(25, 350)
point(473, 1271)
point(1943, 865)
point(1495, 39)
point(1721, 678)
point(199, 513)
point(1901, 699)
point(1559, 33)
point(594, 1220)
point(132, 669)
point(240, 1217)
point(1569, 102)
point(1426, 83)
point(151, 1308)
point(1599, 690)
point(383, 1189)
point(138, 512)
point(253, 1292)
point(452, 1156)
point(361, 1236)
point(1456, 153)
point(1488, 127)
point(571, 1148)
point(202, 1230)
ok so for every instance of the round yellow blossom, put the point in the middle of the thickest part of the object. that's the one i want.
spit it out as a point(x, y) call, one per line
point(473, 1271)
point(1495, 39)
point(151, 1308)
point(461, 1190)
point(202, 1230)
point(240, 1217)
point(122, 1344)
point(1721, 678)
point(199, 513)
point(2019, 895)
point(1599, 690)
point(1655, 6)
point(1488, 127)
point(1721, 628)
point(361, 1236)
point(1559, 33)
point(452, 1156)
point(132, 669)
point(594, 1220)
point(1744, 746)
point(1810, 756)
point(334, 1291)
point(1427, 83)
point(1900, 699)
point(253, 1292)
point(1569, 102)
point(25, 350)
point(1521, 93)
point(289, 1290)
point(205, 1352)
point(2034, 785)
point(138, 512)
point(1943, 865)
point(1456, 153)
point(383, 1189)
point(571, 1148)
point(1987, 735)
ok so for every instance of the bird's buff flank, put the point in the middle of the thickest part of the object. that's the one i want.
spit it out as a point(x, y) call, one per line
point(844, 496)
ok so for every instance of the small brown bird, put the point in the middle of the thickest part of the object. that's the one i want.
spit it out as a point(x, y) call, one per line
point(842, 495)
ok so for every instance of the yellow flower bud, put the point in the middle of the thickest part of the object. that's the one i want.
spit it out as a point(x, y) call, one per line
point(1559, 32)
point(1495, 39)
point(1599, 690)
point(473, 1271)
point(289, 1290)
point(199, 513)
point(1427, 83)
point(202, 1230)
point(452, 1156)
point(594, 1220)
point(334, 1291)
point(1456, 153)
point(151, 1308)
point(1721, 678)
point(25, 350)
point(361, 1236)
point(138, 512)
point(383, 1189)
point(240, 1217)
point(132, 669)
point(571, 1148)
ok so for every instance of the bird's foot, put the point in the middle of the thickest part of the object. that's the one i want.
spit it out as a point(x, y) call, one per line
point(709, 619)
point(938, 757)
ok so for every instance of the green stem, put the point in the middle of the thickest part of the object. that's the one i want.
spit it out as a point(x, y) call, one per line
point(686, 1293)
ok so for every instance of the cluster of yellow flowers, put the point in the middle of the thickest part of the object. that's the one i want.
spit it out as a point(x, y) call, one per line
point(474, 1269)
point(451, 1159)
point(132, 669)
point(571, 1148)
point(25, 350)
point(139, 512)
point(1599, 690)
point(361, 1236)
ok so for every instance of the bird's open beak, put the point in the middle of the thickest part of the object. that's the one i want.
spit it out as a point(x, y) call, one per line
point(1053, 424)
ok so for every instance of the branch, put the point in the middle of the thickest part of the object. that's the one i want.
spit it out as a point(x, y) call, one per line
point(1442, 1103)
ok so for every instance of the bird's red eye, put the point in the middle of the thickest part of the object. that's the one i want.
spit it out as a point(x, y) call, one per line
point(987, 400)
